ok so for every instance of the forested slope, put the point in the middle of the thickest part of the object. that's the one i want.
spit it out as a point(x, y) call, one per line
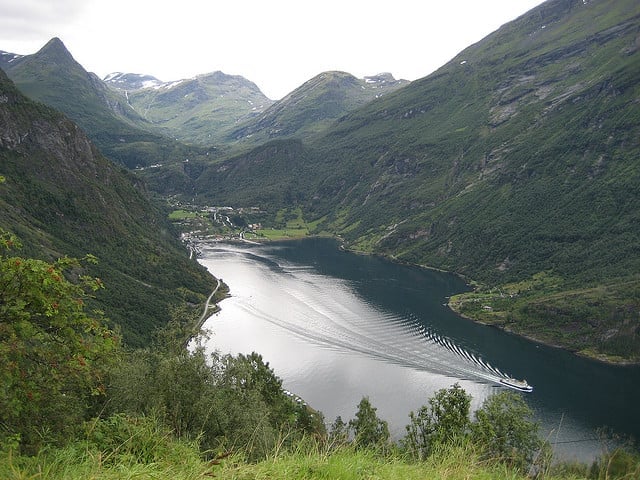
point(52, 76)
point(520, 157)
point(62, 197)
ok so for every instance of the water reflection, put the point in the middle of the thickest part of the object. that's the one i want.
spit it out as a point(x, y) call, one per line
point(337, 326)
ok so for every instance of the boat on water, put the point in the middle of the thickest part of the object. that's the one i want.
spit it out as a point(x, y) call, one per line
point(520, 385)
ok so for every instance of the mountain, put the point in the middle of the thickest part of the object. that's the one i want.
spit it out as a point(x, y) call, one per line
point(7, 58)
point(132, 81)
point(52, 76)
point(62, 197)
point(516, 164)
point(216, 108)
point(307, 111)
point(313, 106)
point(141, 122)
point(199, 110)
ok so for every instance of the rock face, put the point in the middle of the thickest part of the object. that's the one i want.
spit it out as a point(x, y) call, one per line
point(62, 197)
point(54, 148)
point(62, 139)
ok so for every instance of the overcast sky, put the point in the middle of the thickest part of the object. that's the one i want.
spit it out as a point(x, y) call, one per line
point(278, 44)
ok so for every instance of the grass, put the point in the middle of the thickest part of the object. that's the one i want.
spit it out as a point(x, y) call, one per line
point(184, 463)
point(288, 224)
point(76, 463)
point(182, 215)
point(123, 447)
point(598, 320)
point(282, 234)
point(349, 464)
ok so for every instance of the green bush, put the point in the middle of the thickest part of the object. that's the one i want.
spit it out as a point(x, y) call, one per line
point(121, 439)
point(53, 355)
point(369, 430)
point(443, 421)
point(225, 402)
point(504, 431)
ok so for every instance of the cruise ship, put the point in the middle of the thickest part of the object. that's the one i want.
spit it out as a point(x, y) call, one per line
point(520, 385)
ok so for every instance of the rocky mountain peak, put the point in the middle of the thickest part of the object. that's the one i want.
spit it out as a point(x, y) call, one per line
point(384, 77)
point(56, 51)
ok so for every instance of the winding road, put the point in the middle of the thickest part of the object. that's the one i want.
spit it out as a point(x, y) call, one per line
point(207, 304)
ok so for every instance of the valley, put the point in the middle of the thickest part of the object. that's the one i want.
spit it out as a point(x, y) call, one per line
point(415, 244)
point(331, 321)
point(514, 165)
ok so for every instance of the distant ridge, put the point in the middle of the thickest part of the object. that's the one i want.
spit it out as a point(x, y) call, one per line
point(197, 110)
point(313, 106)
point(132, 81)
point(136, 119)
point(7, 58)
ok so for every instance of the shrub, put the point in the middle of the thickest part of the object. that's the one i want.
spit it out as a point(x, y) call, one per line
point(121, 439)
point(52, 353)
point(621, 463)
point(441, 422)
point(369, 430)
point(504, 431)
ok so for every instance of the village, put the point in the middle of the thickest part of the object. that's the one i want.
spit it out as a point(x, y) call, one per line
point(199, 223)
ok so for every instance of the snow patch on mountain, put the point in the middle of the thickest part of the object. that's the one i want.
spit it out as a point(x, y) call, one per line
point(380, 78)
point(169, 85)
point(9, 57)
point(132, 81)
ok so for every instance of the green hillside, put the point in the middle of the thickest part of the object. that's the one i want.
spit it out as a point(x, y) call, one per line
point(52, 76)
point(516, 165)
point(199, 110)
point(518, 158)
point(216, 108)
point(62, 197)
point(313, 106)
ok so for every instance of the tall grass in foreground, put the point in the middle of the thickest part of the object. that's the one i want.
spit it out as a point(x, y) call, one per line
point(115, 448)
point(78, 462)
point(447, 462)
point(149, 453)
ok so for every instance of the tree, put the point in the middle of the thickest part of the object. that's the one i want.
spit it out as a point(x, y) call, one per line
point(52, 353)
point(505, 432)
point(369, 430)
point(338, 433)
point(222, 401)
point(251, 374)
point(442, 421)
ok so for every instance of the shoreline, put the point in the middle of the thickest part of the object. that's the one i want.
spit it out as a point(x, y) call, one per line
point(596, 358)
point(342, 246)
point(600, 358)
point(207, 306)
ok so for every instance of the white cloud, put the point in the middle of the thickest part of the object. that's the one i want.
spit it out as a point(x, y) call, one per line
point(30, 18)
point(279, 44)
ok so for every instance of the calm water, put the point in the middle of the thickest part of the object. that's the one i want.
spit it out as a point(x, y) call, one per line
point(336, 326)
